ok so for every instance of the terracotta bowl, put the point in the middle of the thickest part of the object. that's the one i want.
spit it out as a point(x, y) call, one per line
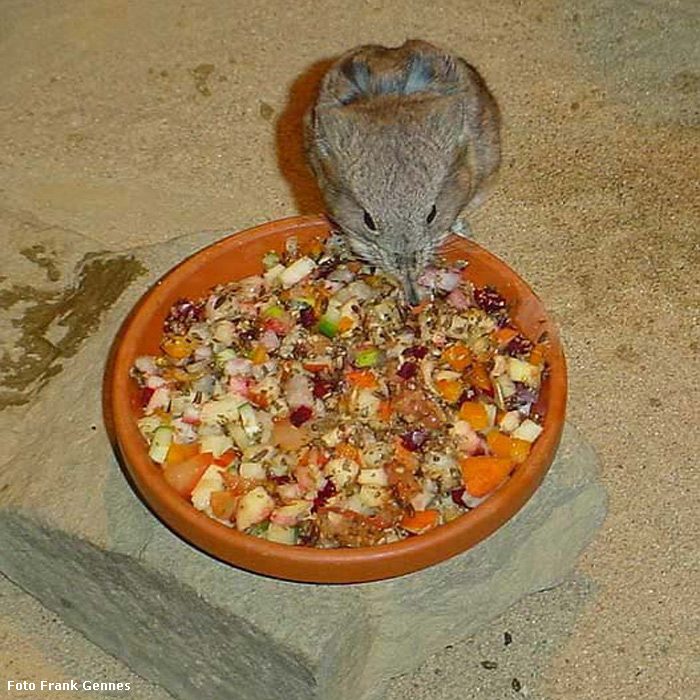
point(238, 256)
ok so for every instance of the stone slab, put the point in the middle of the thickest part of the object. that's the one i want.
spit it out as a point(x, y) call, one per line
point(75, 536)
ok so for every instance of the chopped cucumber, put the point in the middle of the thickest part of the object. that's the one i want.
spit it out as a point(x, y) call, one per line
point(281, 534)
point(328, 323)
point(160, 445)
point(258, 530)
point(368, 357)
point(274, 311)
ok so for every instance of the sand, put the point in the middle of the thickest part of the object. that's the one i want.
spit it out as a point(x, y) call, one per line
point(132, 122)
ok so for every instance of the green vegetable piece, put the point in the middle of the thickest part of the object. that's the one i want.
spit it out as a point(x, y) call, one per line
point(273, 312)
point(367, 358)
point(259, 529)
point(270, 260)
point(328, 323)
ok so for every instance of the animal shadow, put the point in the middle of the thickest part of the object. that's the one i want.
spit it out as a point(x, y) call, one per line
point(290, 141)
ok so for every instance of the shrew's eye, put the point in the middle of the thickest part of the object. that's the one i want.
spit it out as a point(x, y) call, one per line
point(432, 215)
point(369, 222)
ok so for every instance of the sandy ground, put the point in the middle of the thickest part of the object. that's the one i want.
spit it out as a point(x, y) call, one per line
point(134, 122)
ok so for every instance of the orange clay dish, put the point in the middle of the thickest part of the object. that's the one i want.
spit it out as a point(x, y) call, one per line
point(308, 406)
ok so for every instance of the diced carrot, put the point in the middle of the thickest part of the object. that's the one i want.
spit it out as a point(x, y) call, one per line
point(537, 354)
point(481, 475)
point(479, 377)
point(223, 504)
point(449, 389)
point(178, 347)
point(180, 451)
point(459, 357)
point(519, 450)
point(345, 324)
point(420, 521)
point(225, 458)
point(474, 412)
point(319, 365)
point(183, 476)
point(501, 445)
point(259, 398)
point(259, 355)
point(319, 456)
point(362, 378)
point(503, 336)
point(345, 449)
point(384, 411)
point(405, 457)
point(303, 458)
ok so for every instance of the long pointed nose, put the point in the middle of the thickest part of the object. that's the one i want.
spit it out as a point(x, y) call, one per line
point(410, 289)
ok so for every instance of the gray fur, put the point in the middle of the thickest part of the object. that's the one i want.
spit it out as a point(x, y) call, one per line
point(393, 133)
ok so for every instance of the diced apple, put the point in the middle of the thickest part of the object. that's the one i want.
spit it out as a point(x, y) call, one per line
point(521, 371)
point(290, 514)
point(253, 471)
point(373, 477)
point(281, 534)
point(510, 421)
point(254, 507)
point(216, 444)
point(223, 410)
point(342, 471)
point(528, 430)
point(211, 481)
point(373, 496)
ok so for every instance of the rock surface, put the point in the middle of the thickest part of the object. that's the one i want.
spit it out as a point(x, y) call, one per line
point(77, 538)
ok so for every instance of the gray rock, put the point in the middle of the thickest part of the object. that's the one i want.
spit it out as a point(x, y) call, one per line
point(75, 536)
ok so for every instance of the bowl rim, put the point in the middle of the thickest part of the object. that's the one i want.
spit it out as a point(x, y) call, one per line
point(308, 564)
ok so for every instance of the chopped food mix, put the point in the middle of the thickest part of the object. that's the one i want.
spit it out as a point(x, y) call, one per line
point(308, 405)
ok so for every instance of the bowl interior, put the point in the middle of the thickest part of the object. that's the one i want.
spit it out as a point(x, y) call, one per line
point(239, 256)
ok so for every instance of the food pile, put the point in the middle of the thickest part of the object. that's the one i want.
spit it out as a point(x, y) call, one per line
point(308, 405)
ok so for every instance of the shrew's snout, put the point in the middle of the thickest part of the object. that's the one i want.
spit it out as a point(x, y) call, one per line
point(410, 289)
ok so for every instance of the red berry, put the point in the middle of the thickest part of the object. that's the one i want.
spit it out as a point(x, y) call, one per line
point(307, 317)
point(300, 415)
point(322, 388)
point(407, 370)
point(417, 351)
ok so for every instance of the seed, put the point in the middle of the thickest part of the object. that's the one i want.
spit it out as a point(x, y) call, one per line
point(516, 685)
point(489, 665)
point(300, 415)
point(507, 638)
